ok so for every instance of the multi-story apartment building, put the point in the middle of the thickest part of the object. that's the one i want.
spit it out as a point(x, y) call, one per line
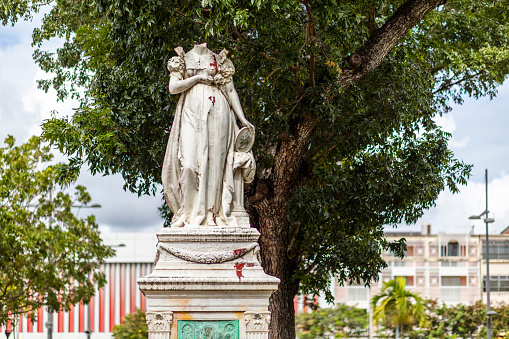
point(448, 268)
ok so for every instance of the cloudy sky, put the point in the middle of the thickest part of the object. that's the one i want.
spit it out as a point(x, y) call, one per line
point(479, 129)
point(22, 109)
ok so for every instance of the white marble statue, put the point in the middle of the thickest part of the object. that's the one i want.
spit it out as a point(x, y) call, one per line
point(205, 166)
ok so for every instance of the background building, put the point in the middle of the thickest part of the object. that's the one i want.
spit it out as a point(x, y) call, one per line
point(120, 296)
point(449, 268)
point(499, 267)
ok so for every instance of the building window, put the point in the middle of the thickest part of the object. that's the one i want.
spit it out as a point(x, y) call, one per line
point(451, 250)
point(449, 290)
point(453, 281)
point(499, 249)
point(497, 283)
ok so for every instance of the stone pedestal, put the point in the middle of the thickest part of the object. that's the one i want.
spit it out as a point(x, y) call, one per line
point(207, 282)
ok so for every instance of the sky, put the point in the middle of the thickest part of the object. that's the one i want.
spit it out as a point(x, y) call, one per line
point(479, 129)
point(23, 108)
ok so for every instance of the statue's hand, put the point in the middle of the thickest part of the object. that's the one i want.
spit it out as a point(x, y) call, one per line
point(249, 125)
point(205, 79)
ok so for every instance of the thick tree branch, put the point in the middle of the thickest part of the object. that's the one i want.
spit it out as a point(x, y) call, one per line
point(289, 157)
point(384, 39)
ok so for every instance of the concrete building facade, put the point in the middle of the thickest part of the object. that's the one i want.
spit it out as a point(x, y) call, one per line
point(449, 268)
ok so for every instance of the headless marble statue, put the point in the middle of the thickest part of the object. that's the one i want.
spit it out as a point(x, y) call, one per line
point(204, 171)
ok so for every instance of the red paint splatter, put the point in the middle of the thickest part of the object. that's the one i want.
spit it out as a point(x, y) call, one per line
point(213, 99)
point(214, 217)
point(214, 64)
point(239, 251)
point(238, 267)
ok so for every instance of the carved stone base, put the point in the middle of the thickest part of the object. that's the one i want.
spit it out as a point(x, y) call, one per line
point(159, 324)
point(208, 274)
point(257, 324)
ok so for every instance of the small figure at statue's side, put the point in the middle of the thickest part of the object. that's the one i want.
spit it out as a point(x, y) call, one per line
point(205, 166)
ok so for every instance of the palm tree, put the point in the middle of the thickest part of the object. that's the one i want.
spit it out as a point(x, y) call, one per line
point(398, 306)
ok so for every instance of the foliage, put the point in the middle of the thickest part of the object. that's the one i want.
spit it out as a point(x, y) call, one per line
point(462, 321)
point(49, 256)
point(134, 326)
point(397, 306)
point(341, 321)
point(343, 147)
point(443, 321)
point(499, 323)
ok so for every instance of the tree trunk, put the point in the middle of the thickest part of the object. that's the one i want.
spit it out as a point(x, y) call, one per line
point(273, 241)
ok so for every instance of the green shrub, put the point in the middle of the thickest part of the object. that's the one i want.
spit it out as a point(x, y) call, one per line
point(134, 326)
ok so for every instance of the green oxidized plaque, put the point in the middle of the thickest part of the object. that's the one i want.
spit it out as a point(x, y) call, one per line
point(208, 329)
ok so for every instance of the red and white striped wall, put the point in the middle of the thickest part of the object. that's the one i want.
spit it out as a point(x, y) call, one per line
point(120, 295)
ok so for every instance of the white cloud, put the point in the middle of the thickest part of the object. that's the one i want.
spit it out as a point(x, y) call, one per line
point(446, 122)
point(452, 210)
point(459, 143)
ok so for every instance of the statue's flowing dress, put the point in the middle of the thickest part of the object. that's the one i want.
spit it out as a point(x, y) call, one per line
point(199, 155)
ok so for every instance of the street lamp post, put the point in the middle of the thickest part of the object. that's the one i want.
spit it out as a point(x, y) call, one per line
point(49, 325)
point(487, 220)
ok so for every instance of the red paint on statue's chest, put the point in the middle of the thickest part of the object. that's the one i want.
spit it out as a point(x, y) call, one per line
point(213, 99)
point(214, 64)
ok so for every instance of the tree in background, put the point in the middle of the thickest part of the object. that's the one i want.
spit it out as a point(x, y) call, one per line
point(500, 322)
point(462, 321)
point(49, 256)
point(342, 321)
point(134, 326)
point(398, 307)
point(342, 94)
point(443, 321)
